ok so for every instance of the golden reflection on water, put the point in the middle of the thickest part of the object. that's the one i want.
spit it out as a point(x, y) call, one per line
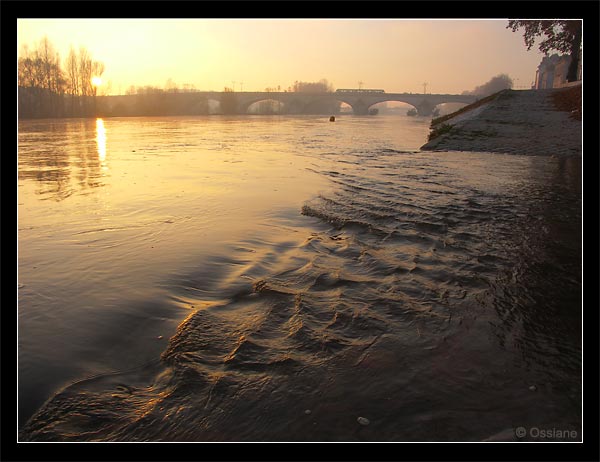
point(101, 139)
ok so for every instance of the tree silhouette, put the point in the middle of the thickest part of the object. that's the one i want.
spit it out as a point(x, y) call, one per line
point(43, 83)
point(494, 85)
point(563, 36)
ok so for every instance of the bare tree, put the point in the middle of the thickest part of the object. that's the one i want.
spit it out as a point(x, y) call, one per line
point(322, 86)
point(29, 81)
point(561, 35)
point(45, 53)
point(97, 71)
point(85, 72)
point(87, 69)
point(72, 70)
point(41, 80)
point(494, 85)
point(171, 86)
point(29, 74)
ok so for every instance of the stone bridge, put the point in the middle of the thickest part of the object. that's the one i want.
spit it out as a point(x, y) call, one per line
point(360, 102)
point(292, 103)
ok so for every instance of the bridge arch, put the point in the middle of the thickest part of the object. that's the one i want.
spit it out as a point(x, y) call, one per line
point(423, 107)
point(396, 107)
point(214, 106)
point(424, 104)
point(245, 105)
point(266, 106)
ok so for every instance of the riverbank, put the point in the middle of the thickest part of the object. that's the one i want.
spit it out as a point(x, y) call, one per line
point(527, 122)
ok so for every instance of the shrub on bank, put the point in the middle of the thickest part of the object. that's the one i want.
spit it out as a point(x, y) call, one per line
point(439, 130)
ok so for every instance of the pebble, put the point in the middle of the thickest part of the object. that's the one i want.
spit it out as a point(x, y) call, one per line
point(363, 421)
point(159, 337)
point(307, 411)
point(532, 388)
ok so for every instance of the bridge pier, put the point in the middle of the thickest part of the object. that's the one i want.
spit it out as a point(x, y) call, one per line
point(425, 108)
point(360, 108)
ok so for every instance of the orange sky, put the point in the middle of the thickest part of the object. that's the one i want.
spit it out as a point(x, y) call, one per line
point(394, 55)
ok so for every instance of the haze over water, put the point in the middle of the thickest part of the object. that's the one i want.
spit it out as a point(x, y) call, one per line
point(217, 277)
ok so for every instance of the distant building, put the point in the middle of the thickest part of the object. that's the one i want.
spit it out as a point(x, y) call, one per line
point(552, 72)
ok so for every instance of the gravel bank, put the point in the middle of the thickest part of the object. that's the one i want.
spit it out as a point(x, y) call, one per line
point(527, 122)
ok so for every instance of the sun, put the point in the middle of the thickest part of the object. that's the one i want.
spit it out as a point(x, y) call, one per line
point(96, 81)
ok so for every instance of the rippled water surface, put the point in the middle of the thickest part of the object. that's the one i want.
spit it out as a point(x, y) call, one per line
point(275, 278)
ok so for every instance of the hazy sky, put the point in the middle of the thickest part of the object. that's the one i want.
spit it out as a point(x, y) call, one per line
point(394, 55)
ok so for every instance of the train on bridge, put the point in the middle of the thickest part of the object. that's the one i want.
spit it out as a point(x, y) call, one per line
point(359, 90)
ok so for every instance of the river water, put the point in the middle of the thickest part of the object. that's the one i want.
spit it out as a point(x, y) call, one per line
point(274, 278)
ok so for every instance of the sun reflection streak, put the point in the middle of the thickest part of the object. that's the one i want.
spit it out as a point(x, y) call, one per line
point(101, 139)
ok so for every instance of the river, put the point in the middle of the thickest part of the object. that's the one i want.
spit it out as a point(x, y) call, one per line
point(274, 278)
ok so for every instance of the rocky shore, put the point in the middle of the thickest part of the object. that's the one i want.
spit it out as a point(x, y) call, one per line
point(526, 122)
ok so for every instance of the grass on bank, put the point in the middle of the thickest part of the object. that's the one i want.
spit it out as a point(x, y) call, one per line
point(438, 127)
point(438, 130)
point(476, 104)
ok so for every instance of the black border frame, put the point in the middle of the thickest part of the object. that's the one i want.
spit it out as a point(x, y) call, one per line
point(588, 450)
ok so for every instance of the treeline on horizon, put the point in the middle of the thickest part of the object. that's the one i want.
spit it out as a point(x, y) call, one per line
point(494, 85)
point(49, 88)
point(322, 86)
point(171, 99)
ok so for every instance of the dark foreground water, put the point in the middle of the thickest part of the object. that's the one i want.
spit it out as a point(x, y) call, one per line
point(275, 279)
